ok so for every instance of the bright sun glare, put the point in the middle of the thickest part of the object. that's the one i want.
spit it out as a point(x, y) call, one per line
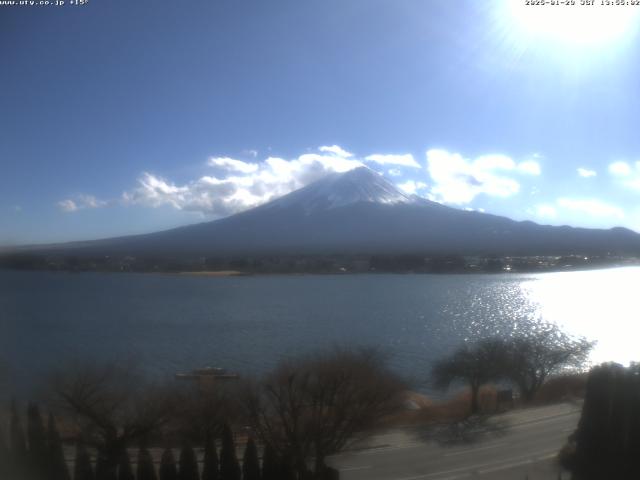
point(595, 25)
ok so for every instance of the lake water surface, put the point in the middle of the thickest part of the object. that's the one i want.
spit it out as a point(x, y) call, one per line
point(171, 323)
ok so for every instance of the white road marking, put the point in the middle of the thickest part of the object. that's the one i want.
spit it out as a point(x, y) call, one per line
point(466, 471)
point(351, 469)
point(472, 450)
point(391, 448)
point(507, 466)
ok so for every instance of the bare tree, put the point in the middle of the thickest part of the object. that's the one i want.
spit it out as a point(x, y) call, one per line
point(112, 407)
point(474, 365)
point(537, 351)
point(314, 407)
point(543, 351)
point(202, 411)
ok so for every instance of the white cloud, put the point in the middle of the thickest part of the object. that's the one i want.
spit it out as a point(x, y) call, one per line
point(529, 167)
point(89, 201)
point(412, 187)
point(627, 174)
point(591, 206)
point(80, 202)
point(235, 185)
point(233, 165)
point(620, 169)
point(546, 211)
point(240, 187)
point(493, 162)
point(457, 180)
point(67, 205)
point(406, 160)
point(336, 150)
point(586, 173)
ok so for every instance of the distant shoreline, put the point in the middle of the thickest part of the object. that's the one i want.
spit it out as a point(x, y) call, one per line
point(237, 273)
point(214, 273)
point(234, 273)
point(320, 264)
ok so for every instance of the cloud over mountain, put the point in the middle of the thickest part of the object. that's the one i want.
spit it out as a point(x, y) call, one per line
point(230, 185)
point(405, 160)
point(237, 185)
point(458, 180)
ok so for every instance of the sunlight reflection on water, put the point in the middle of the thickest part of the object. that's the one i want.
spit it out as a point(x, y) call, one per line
point(248, 324)
point(600, 305)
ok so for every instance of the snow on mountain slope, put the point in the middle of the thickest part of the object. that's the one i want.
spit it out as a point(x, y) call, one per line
point(340, 189)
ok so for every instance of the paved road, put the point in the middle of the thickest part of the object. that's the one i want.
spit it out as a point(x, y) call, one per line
point(513, 446)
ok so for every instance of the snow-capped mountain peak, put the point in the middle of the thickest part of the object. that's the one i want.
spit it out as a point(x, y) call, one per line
point(360, 185)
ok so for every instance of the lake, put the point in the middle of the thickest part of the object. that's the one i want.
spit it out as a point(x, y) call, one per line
point(173, 323)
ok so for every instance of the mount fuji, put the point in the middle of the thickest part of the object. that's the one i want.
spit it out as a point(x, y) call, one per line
point(360, 212)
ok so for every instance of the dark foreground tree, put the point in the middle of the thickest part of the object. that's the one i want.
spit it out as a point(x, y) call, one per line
point(210, 469)
point(125, 470)
point(5, 457)
point(37, 440)
point(188, 464)
point(314, 407)
point(17, 443)
point(607, 441)
point(473, 365)
point(287, 471)
point(105, 469)
point(543, 350)
point(113, 408)
point(145, 469)
point(270, 470)
point(204, 409)
point(168, 470)
point(58, 469)
point(229, 467)
point(82, 468)
point(102, 470)
point(250, 462)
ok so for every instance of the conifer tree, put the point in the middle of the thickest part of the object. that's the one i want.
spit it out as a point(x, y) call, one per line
point(18, 446)
point(105, 470)
point(286, 471)
point(188, 464)
point(37, 441)
point(250, 462)
point(125, 471)
point(101, 467)
point(4, 457)
point(145, 470)
point(210, 470)
point(82, 468)
point(229, 467)
point(270, 468)
point(57, 465)
point(607, 440)
point(18, 460)
point(168, 470)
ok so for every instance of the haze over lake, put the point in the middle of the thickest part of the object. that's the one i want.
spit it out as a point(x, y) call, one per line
point(172, 323)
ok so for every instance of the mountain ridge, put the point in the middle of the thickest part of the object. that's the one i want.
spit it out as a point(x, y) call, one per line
point(358, 212)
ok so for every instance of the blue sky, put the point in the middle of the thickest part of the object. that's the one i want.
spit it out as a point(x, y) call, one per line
point(121, 116)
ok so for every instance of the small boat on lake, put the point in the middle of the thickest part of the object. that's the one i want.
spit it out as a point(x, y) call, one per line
point(208, 373)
